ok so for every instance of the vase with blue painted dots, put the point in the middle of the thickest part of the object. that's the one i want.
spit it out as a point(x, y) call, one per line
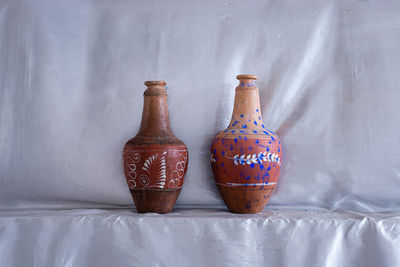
point(246, 156)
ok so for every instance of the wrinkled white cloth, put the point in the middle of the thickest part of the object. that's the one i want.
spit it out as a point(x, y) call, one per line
point(198, 238)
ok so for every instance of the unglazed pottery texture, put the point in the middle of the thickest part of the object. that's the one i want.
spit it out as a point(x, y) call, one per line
point(246, 157)
point(155, 161)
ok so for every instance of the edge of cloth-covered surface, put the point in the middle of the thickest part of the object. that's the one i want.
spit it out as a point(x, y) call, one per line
point(194, 237)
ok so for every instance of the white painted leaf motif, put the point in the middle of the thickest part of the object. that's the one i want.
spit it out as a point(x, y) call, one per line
point(155, 165)
point(236, 158)
point(255, 158)
point(212, 159)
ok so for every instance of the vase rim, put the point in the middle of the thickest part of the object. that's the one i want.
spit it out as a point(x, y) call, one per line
point(246, 76)
point(148, 83)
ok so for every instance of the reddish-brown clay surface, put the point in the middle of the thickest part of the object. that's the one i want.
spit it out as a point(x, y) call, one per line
point(246, 157)
point(159, 200)
point(155, 161)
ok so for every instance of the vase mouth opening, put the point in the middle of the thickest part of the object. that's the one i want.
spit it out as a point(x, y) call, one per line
point(150, 83)
point(246, 77)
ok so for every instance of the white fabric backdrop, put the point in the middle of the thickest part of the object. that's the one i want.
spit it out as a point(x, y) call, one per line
point(71, 84)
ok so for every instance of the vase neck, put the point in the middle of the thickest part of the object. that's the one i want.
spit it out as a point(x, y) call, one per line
point(246, 111)
point(155, 117)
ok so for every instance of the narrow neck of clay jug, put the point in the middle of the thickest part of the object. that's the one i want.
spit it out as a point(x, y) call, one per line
point(155, 117)
point(246, 111)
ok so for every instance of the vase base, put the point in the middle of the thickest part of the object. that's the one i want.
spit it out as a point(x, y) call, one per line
point(155, 200)
point(245, 200)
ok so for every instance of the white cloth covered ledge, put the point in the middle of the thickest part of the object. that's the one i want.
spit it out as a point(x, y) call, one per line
point(83, 238)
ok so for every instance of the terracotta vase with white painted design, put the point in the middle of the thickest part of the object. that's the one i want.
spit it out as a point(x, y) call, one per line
point(155, 161)
point(246, 157)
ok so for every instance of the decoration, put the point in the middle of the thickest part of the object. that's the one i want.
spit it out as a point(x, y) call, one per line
point(155, 161)
point(246, 157)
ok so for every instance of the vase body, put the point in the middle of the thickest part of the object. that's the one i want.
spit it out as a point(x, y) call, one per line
point(155, 161)
point(246, 157)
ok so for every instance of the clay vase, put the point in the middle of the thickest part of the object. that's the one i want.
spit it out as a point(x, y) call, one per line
point(246, 157)
point(155, 161)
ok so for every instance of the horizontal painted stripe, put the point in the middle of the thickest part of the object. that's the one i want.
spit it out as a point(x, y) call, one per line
point(151, 150)
point(147, 188)
point(255, 184)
